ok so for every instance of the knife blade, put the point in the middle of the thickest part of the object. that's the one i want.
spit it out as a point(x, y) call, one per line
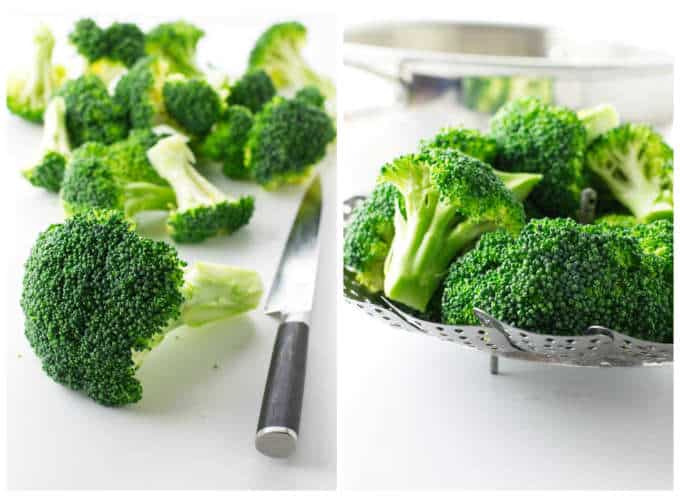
point(290, 301)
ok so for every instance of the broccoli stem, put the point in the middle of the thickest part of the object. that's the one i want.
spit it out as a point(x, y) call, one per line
point(598, 120)
point(147, 197)
point(55, 134)
point(39, 86)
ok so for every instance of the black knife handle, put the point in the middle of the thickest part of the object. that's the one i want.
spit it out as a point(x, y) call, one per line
point(279, 423)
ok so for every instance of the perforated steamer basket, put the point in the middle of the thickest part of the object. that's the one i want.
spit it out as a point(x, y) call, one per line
point(596, 347)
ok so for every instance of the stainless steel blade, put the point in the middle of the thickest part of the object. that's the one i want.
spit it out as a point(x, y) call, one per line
point(292, 290)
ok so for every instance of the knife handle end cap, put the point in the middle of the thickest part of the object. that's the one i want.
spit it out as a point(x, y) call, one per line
point(276, 441)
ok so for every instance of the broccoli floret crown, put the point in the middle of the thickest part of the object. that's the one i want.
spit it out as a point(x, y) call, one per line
point(85, 333)
point(196, 224)
point(533, 136)
point(287, 139)
point(120, 42)
point(91, 113)
point(193, 103)
point(253, 90)
point(635, 165)
point(311, 95)
point(176, 43)
point(469, 141)
point(140, 93)
point(226, 142)
point(48, 173)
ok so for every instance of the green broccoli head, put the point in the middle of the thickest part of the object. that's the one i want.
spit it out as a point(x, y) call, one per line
point(192, 103)
point(287, 139)
point(533, 136)
point(140, 93)
point(311, 95)
point(617, 220)
point(92, 338)
point(635, 165)
point(253, 90)
point(468, 141)
point(91, 113)
point(55, 149)
point(202, 211)
point(278, 52)
point(559, 277)
point(28, 92)
point(226, 142)
point(175, 43)
point(109, 51)
point(450, 198)
point(116, 177)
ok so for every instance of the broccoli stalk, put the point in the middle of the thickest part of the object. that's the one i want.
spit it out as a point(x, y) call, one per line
point(55, 149)
point(202, 210)
point(29, 93)
point(635, 164)
point(449, 199)
point(598, 120)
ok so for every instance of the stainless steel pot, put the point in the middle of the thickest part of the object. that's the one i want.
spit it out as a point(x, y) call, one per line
point(451, 61)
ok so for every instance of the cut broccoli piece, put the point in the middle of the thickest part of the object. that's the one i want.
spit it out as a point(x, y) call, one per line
point(202, 211)
point(176, 42)
point(450, 198)
point(116, 177)
point(29, 92)
point(253, 90)
point(287, 139)
point(559, 277)
point(192, 103)
point(617, 220)
point(226, 142)
point(91, 113)
point(97, 297)
point(277, 51)
point(109, 51)
point(140, 93)
point(468, 141)
point(536, 137)
point(634, 163)
point(311, 95)
point(489, 93)
point(54, 149)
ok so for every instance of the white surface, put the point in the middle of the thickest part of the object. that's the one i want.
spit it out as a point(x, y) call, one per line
point(195, 426)
point(419, 413)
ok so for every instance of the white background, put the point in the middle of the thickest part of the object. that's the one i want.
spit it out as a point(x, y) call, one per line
point(418, 413)
point(194, 428)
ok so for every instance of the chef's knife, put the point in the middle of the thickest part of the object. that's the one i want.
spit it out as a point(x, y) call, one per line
point(290, 302)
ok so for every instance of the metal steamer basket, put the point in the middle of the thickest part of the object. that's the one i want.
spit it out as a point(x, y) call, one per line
point(597, 346)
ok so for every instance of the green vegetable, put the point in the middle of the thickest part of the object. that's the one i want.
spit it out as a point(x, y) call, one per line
point(97, 297)
point(489, 93)
point(311, 95)
point(202, 210)
point(559, 277)
point(288, 137)
point(140, 93)
point(175, 43)
point(253, 90)
point(29, 92)
point(54, 149)
point(635, 165)
point(277, 51)
point(192, 103)
point(468, 141)
point(536, 137)
point(450, 198)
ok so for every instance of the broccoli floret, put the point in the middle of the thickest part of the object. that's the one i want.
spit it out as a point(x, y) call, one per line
point(226, 142)
point(109, 51)
point(253, 90)
point(489, 93)
point(192, 103)
point(533, 136)
point(450, 198)
point(116, 177)
point(176, 42)
point(287, 139)
point(277, 51)
point(202, 210)
point(140, 93)
point(559, 277)
point(28, 92)
point(311, 95)
point(91, 113)
point(634, 163)
point(54, 149)
point(617, 220)
point(97, 297)
point(468, 141)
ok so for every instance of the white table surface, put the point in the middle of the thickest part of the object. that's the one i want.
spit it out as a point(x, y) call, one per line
point(419, 413)
point(195, 426)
